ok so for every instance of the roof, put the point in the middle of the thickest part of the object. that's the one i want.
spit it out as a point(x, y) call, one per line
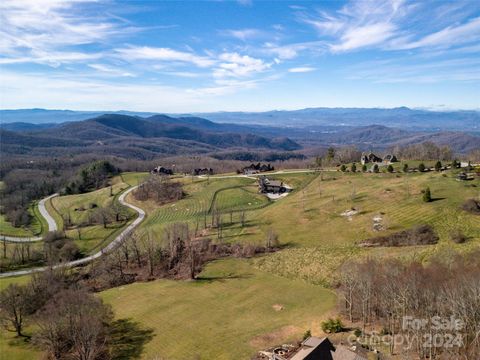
point(310, 345)
point(274, 183)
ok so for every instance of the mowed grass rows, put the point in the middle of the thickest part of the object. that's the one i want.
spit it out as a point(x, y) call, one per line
point(319, 239)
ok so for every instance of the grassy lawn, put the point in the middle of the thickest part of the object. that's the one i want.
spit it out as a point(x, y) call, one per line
point(228, 314)
point(79, 208)
point(35, 228)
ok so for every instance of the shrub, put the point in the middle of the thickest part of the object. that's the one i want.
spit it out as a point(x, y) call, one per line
point(343, 168)
point(376, 168)
point(455, 164)
point(364, 168)
point(427, 195)
point(438, 166)
point(421, 167)
point(458, 236)
point(472, 206)
point(332, 326)
point(357, 333)
point(353, 168)
point(307, 334)
point(405, 168)
point(419, 235)
point(390, 168)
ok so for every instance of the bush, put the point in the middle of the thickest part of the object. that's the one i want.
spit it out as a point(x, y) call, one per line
point(307, 334)
point(421, 167)
point(376, 169)
point(405, 168)
point(333, 326)
point(419, 235)
point(458, 236)
point(472, 206)
point(364, 168)
point(343, 168)
point(438, 166)
point(353, 168)
point(357, 333)
point(427, 195)
point(390, 168)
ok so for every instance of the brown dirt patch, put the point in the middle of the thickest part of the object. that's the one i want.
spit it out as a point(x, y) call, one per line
point(279, 336)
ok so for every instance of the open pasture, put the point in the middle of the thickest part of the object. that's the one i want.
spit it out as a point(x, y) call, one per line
point(230, 312)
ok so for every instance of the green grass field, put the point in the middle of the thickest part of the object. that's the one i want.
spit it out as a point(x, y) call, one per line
point(231, 311)
point(79, 208)
point(227, 314)
point(35, 227)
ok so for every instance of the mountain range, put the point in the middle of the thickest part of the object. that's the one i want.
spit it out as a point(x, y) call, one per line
point(402, 117)
point(149, 136)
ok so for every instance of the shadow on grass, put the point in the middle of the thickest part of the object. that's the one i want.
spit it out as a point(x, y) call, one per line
point(128, 338)
point(437, 199)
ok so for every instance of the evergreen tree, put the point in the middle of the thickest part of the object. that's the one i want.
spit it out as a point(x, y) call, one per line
point(343, 168)
point(421, 167)
point(405, 168)
point(455, 164)
point(390, 168)
point(427, 195)
point(353, 168)
point(376, 168)
point(364, 168)
point(438, 166)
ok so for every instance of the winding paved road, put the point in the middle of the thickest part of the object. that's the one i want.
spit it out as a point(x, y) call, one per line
point(52, 225)
point(117, 241)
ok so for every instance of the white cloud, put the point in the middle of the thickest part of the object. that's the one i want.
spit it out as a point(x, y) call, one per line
point(358, 24)
point(33, 29)
point(363, 36)
point(236, 65)
point(302, 69)
point(447, 37)
point(163, 54)
point(50, 58)
point(110, 70)
point(242, 34)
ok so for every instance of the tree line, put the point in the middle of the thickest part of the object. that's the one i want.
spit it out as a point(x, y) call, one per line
point(385, 292)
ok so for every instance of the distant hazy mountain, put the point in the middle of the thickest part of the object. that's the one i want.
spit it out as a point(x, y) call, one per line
point(43, 116)
point(403, 118)
point(134, 136)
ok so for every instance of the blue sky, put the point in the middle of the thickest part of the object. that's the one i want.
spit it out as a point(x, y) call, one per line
point(181, 56)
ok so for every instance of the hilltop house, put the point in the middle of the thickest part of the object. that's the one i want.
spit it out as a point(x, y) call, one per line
point(203, 171)
point(370, 158)
point(314, 348)
point(160, 170)
point(271, 186)
point(256, 168)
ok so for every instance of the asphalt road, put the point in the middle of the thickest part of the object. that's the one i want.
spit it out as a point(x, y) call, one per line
point(52, 225)
point(112, 245)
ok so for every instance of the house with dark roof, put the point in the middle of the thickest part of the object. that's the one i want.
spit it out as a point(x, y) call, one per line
point(202, 171)
point(266, 185)
point(256, 168)
point(370, 158)
point(160, 170)
point(314, 348)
